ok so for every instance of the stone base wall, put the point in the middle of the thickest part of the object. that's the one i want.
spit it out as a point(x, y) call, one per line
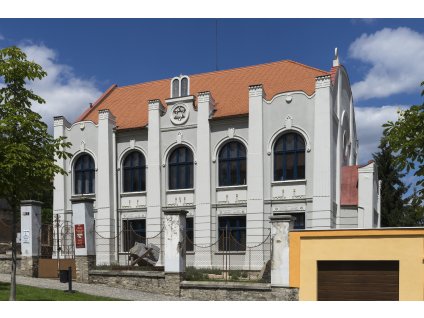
point(29, 266)
point(6, 264)
point(221, 291)
point(153, 282)
point(83, 265)
point(172, 284)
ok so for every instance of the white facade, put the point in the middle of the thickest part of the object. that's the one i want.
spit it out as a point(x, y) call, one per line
point(325, 120)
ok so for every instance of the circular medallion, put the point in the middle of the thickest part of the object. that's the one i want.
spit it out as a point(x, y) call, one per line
point(179, 114)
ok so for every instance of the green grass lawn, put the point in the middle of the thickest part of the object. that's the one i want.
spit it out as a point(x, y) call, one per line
point(34, 293)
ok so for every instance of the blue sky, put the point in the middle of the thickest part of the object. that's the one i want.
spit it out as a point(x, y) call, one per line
point(384, 57)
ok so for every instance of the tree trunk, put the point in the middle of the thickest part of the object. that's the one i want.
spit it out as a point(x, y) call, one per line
point(13, 278)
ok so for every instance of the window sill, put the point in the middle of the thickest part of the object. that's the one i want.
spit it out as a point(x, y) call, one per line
point(83, 196)
point(190, 253)
point(235, 187)
point(284, 182)
point(231, 253)
point(189, 190)
point(129, 194)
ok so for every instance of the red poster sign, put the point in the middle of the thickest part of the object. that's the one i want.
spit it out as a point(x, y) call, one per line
point(79, 236)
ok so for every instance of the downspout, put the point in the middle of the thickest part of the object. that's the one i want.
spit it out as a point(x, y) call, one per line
point(115, 190)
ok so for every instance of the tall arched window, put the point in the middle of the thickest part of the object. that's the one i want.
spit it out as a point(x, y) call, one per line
point(289, 157)
point(232, 164)
point(84, 172)
point(181, 168)
point(184, 86)
point(176, 88)
point(134, 172)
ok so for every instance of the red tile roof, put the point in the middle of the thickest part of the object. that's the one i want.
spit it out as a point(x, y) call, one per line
point(229, 88)
point(349, 186)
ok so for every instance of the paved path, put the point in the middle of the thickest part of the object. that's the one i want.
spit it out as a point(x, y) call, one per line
point(91, 289)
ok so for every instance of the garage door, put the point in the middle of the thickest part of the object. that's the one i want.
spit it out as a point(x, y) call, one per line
point(358, 280)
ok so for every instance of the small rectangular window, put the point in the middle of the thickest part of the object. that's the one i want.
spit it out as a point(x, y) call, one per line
point(232, 233)
point(299, 222)
point(189, 234)
point(133, 231)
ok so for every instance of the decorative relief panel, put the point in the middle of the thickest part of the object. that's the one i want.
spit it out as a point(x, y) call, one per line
point(232, 196)
point(289, 208)
point(179, 114)
point(231, 211)
point(135, 201)
point(133, 215)
point(289, 191)
point(179, 199)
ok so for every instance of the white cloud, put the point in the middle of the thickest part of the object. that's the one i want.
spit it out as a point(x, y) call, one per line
point(397, 62)
point(369, 121)
point(64, 92)
point(1, 37)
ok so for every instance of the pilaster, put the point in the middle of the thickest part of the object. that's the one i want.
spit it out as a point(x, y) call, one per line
point(255, 167)
point(202, 227)
point(105, 219)
point(154, 208)
point(59, 193)
point(323, 172)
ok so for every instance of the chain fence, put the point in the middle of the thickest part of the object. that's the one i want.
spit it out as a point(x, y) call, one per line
point(137, 251)
point(229, 258)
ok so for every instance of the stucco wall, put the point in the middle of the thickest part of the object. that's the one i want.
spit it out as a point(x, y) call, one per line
point(404, 245)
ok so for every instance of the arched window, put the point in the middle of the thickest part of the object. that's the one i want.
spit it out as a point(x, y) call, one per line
point(184, 86)
point(134, 172)
point(84, 174)
point(289, 157)
point(181, 168)
point(176, 88)
point(232, 164)
point(180, 86)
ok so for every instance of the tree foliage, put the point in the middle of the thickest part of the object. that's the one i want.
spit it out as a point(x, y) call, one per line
point(406, 138)
point(27, 150)
point(392, 187)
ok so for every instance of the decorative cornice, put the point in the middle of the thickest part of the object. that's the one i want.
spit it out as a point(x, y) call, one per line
point(106, 114)
point(182, 99)
point(60, 121)
point(256, 90)
point(204, 97)
point(322, 81)
point(155, 104)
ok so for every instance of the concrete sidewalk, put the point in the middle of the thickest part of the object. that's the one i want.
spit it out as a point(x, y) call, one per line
point(91, 289)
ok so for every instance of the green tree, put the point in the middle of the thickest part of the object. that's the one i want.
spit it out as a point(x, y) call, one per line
point(27, 151)
point(415, 210)
point(406, 137)
point(392, 187)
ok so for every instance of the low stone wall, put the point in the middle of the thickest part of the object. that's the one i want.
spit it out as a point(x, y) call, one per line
point(171, 284)
point(235, 291)
point(153, 282)
point(6, 264)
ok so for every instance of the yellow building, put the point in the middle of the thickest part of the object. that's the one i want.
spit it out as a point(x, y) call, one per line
point(383, 264)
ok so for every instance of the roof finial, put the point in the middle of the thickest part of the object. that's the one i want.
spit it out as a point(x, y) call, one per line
point(336, 57)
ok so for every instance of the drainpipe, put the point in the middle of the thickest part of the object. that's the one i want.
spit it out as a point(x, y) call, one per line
point(115, 190)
